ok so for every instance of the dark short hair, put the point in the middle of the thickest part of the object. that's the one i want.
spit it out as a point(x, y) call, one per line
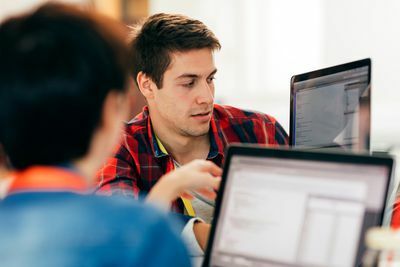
point(57, 65)
point(162, 34)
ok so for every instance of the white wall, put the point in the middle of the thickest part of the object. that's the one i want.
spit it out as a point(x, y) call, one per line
point(265, 42)
point(370, 28)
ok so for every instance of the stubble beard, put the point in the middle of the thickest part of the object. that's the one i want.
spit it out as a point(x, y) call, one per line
point(190, 132)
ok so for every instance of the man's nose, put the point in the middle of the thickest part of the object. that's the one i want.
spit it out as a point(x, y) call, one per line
point(206, 94)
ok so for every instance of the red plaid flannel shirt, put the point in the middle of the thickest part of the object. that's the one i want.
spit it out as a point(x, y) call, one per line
point(396, 214)
point(138, 162)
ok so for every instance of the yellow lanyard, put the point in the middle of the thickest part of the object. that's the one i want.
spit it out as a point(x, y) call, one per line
point(186, 202)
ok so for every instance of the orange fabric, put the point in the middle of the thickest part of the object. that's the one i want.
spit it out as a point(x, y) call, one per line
point(396, 214)
point(41, 178)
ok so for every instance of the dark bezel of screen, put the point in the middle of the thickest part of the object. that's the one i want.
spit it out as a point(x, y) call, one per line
point(297, 154)
point(320, 73)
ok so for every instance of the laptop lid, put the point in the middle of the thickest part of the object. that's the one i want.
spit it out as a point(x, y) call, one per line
point(330, 108)
point(296, 208)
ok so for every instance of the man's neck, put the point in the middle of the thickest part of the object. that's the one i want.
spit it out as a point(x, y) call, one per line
point(184, 149)
point(86, 169)
point(4, 172)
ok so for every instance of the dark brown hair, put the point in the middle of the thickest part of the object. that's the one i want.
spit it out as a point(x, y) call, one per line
point(162, 34)
point(58, 64)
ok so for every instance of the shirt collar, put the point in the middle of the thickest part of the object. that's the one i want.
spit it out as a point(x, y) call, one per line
point(156, 146)
point(160, 145)
point(48, 179)
point(217, 139)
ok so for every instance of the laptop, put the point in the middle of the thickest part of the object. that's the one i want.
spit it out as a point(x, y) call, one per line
point(330, 108)
point(296, 208)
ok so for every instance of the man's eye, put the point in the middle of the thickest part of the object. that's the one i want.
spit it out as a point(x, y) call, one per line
point(211, 79)
point(189, 85)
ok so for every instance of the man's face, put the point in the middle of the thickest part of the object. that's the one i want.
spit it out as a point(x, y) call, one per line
point(184, 104)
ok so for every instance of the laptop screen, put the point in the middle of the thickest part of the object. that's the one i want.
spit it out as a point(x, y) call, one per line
point(296, 212)
point(331, 107)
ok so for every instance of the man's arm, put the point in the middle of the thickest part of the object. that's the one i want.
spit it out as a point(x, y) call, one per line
point(118, 176)
point(200, 176)
point(281, 137)
point(202, 231)
point(195, 232)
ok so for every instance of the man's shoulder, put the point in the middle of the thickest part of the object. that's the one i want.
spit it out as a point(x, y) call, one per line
point(224, 112)
point(136, 132)
point(88, 212)
point(102, 222)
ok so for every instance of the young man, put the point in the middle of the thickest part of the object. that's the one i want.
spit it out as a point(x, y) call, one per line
point(63, 85)
point(173, 67)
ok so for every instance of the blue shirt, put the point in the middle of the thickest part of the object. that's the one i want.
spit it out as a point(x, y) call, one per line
point(67, 229)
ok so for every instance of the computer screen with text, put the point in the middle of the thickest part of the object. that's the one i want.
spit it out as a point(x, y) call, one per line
point(331, 108)
point(289, 212)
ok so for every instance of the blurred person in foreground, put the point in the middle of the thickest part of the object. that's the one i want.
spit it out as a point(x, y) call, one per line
point(63, 85)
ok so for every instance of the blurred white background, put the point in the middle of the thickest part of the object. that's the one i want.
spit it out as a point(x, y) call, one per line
point(265, 42)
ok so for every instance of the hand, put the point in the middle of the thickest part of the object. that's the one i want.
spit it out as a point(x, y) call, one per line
point(198, 175)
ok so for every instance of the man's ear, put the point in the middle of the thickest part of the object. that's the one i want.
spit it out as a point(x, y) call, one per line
point(146, 85)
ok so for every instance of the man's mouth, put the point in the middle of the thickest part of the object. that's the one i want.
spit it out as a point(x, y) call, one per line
point(203, 116)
